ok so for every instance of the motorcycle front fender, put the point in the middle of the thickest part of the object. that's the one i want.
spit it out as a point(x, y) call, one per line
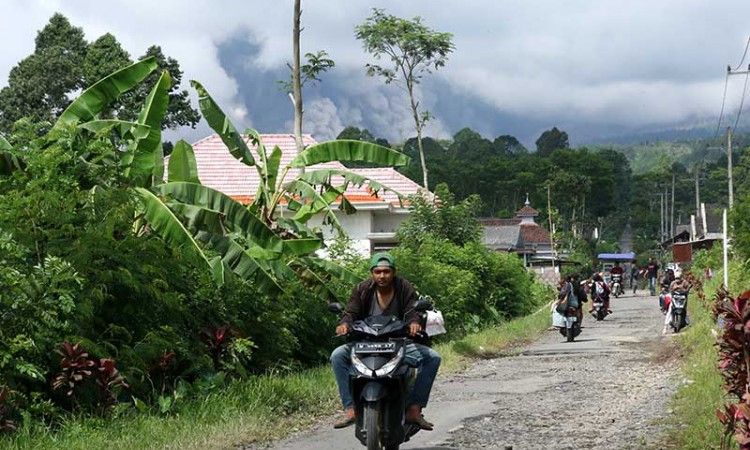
point(373, 391)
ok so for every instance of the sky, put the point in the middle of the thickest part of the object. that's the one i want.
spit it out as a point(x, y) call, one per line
point(594, 68)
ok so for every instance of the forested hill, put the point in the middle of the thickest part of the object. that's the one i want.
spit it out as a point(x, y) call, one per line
point(646, 155)
point(601, 187)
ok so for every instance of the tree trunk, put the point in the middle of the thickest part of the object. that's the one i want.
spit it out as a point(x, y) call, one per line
point(296, 84)
point(419, 124)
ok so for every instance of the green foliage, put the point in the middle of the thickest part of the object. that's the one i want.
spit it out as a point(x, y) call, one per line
point(441, 254)
point(444, 219)
point(550, 141)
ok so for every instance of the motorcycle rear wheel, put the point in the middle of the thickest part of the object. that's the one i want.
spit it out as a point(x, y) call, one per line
point(372, 426)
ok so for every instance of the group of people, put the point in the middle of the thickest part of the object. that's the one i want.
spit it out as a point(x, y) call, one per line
point(386, 293)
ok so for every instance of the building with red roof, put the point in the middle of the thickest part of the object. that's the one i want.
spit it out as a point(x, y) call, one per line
point(372, 228)
point(521, 235)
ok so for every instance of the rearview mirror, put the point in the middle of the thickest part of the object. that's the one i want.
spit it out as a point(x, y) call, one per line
point(423, 304)
point(335, 307)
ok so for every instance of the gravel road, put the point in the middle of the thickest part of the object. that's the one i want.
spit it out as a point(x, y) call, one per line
point(607, 390)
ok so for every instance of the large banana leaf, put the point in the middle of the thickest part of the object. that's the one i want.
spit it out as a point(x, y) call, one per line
point(168, 226)
point(313, 202)
point(4, 144)
point(221, 124)
point(302, 246)
point(9, 163)
point(94, 99)
point(349, 150)
point(139, 159)
point(324, 176)
point(331, 268)
point(123, 128)
point(263, 273)
point(237, 217)
point(182, 165)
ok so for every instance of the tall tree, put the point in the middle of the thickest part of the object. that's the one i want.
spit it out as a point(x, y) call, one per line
point(317, 63)
point(413, 49)
point(550, 141)
point(179, 112)
point(40, 85)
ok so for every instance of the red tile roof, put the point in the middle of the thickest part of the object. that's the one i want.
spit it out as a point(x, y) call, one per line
point(534, 234)
point(527, 211)
point(218, 169)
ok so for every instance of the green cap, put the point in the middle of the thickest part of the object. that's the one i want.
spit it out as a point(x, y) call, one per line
point(383, 260)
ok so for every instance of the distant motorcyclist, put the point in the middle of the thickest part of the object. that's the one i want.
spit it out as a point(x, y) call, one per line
point(678, 285)
point(572, 288)
point(617, 270)
point(599, 289)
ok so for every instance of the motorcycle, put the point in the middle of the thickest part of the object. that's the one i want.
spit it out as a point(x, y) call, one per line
point(600, 312)
point(679, 310)
point(572, 327)
point(616, 286)
point(381, 379)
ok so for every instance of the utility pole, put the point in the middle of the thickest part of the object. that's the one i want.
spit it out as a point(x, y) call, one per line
point(729, 167)
point(697, 189)
point(671, 216)
point(551, 231)
point(661, 219)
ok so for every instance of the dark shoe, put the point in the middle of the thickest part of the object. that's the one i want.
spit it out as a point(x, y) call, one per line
point(421, 423)
point(345, 422)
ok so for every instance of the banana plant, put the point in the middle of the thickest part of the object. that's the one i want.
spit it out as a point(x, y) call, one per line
point(252, 242)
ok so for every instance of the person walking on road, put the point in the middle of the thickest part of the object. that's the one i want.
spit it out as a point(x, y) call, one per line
point(652, 272)
point(634, 275)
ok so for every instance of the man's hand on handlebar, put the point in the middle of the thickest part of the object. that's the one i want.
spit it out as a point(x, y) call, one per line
point(414, 329)
point(342, 329)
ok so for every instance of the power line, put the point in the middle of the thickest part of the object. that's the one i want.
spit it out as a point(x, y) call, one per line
point(742, 101)
point(723, 101)
point(743, 55)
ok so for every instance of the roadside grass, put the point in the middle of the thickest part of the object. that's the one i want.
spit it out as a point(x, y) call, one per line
point(256, 410)
point(694, 425)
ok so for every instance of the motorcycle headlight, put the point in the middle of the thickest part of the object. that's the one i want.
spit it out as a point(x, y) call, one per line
point(391, 365)
point(359, 366)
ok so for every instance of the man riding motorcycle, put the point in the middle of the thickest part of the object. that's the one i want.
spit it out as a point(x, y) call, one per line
point(678, 285)
point(385, 293)
point(614, 273)
point(599, 289)
point(665, 283)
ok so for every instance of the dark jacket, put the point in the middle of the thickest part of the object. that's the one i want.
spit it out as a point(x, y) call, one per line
point(405, 297)
point(578, 289)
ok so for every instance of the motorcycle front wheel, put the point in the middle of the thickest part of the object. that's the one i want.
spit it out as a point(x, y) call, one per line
point(600, 315)
point(372, 426)
point(571, 333)
point(678, 322)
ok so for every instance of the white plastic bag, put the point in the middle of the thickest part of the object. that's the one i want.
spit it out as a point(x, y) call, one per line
point(435, 323)
point(558, 320)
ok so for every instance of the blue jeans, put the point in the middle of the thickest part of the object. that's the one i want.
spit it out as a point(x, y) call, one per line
point(419, 356)
point(652, 285)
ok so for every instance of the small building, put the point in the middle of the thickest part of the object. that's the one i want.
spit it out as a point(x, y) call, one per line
point(523, 236)
point(372, 228)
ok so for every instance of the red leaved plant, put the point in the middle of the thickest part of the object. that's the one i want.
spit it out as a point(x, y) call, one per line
point(734, 361)
point(108, 379)
point(5, 409)
point(218, 340)
point(76, 367)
